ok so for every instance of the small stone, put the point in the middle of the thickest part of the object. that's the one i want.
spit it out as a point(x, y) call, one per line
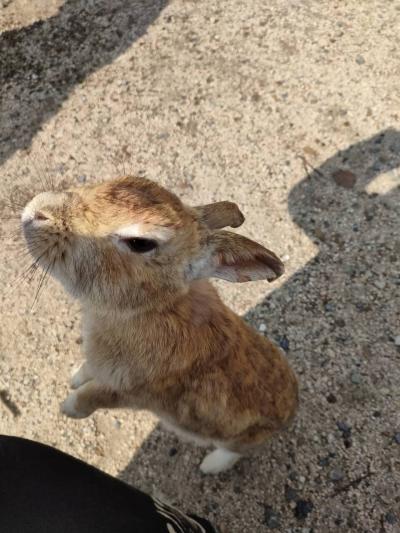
point(390, 518)
point(284, 343)
point(346, 433)
point(379, 284)
point(262, 328)
point(397, 340)
point(325, 461)
point(172, 452)
point(330, 438)
point(117, 423)
point(397, 438)
point(344, 178)
point(343, 427)
point(336, 475)
point(348, 442)
point(302, 480)
point(360, 60)
point(329, 307)
point(271, 518)
point(82, 178)
point(303, 508)
point(355, 378)
point(331, 398)
point(290, 494)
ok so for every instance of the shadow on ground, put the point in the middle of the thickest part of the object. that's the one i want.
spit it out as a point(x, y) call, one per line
point(336, 469)
point(81, 38)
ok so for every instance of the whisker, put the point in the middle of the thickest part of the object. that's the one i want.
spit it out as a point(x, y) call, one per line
point(41, 284)
point(49, 174)
point(23, 244)
point(27, 252)
point(39, 173)
point(25, 274)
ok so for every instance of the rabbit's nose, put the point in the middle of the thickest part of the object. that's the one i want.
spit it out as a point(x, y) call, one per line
point(42, 208)
point(39, 215)
point(30, 216)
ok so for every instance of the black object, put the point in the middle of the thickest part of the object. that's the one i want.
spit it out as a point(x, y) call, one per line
point(43, 490)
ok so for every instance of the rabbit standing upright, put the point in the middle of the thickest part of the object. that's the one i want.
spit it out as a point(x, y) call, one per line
point(156, 334)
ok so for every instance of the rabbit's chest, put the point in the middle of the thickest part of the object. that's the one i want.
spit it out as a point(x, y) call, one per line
point(115, 363)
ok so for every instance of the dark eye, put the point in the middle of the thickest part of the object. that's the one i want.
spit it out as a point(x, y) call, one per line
point(139, 245)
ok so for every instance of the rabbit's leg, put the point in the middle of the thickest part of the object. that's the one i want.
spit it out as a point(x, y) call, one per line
point(84, 401)
point(218, 461)
point(80, 376)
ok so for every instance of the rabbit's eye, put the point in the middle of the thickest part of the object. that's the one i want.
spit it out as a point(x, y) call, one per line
point(140, 245)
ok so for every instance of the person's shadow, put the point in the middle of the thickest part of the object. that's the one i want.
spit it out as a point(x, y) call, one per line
point(336, 318)
point(42, 63)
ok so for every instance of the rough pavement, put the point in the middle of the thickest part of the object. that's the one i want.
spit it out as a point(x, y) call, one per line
point(290, 108)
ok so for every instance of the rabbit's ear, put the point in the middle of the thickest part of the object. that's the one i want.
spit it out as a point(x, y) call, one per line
point(235, 258)
point(220, 214)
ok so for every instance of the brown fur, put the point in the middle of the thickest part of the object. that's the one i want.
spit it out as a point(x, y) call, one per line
point(156, 335)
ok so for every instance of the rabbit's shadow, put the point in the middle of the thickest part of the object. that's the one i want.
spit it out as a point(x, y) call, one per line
point(330, 316)
point(79, 39)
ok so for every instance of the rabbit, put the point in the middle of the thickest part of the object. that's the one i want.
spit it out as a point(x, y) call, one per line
point(156, 334)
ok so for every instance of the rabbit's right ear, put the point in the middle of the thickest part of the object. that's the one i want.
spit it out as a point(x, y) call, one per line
point(235, 258)
point(220, 215)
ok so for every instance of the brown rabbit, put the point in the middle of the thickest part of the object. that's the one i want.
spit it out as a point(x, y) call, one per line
point(156, 334)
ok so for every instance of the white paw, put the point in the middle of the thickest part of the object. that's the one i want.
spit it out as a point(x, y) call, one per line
point(68, 406)
point(80, 376)
point(218, 461)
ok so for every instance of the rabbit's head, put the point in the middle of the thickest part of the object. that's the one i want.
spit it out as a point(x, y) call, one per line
point(130, 244)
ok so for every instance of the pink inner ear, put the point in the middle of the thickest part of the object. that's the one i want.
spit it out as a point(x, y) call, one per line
point(240, 275)
point(235, 258)
point(241, 268)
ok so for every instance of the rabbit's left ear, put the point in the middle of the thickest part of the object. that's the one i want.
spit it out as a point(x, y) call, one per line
point(235, 258)
point(220, 215)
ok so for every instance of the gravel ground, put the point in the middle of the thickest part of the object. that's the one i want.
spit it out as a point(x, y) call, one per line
point(291, 109)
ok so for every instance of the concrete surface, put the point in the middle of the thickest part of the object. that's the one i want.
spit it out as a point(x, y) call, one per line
point(290, 108)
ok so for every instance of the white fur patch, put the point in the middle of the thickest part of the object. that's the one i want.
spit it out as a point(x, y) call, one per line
point(218, 461)
point(157, 233)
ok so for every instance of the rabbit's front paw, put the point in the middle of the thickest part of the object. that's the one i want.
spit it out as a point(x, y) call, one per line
point(70, 407)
